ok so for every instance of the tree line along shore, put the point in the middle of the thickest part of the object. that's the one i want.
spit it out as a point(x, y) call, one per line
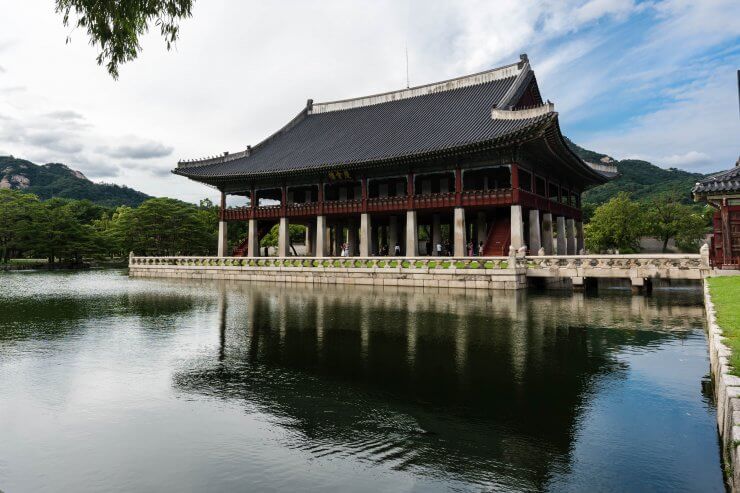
point(67, 232)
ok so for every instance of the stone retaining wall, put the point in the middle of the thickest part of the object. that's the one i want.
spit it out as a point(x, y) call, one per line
point(727, 393)
point(433, 278)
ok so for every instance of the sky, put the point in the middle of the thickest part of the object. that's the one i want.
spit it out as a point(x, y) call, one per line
point(654, 80)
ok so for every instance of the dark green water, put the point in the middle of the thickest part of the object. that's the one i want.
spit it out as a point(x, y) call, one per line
point(116, 384)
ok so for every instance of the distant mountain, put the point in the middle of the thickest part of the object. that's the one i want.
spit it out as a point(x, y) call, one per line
point(58, 180)
point(643, 180)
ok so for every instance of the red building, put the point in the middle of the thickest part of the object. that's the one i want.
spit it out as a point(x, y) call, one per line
point(477, 160)
point(722, 191)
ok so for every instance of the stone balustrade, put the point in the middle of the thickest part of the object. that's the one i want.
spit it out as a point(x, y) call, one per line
point(467, 272)
point(376, 263)
point(670, 266)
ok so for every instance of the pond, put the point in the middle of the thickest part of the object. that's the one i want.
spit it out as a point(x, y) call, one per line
point(116, 384)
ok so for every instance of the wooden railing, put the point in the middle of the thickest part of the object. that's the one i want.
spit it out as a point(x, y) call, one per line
point(443, 200)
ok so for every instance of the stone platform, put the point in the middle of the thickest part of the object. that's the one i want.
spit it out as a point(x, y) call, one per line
point(467, 273)
point(510, 272)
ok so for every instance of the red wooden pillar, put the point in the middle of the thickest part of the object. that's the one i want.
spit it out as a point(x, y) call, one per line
point(726, 232)
point(410, 190)
point(222, 208)
point(515, 181)
point(252, 203)
point(283, 200)
point(458, 186)
point(320, 198)
point(364, 194)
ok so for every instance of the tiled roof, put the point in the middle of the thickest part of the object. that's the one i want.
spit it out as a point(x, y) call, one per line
point(722, 182)
point(444, 116)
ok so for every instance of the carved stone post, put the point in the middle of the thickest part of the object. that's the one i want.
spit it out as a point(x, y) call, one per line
point(252, 239)
point(459, 228)
point(517, 227)
point(412, 234)
point(534, 231)
point(321, 236)
point(562, 242)
point(222, 229)
point(547, 233)
point(570, 236)
point(365, 226)
point(283, 237)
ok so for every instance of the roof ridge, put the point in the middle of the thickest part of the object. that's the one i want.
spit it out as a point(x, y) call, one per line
point(522, 113)
point(498, 73)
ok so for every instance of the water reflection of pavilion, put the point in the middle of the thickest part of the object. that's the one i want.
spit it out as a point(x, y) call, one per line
point(484, 388)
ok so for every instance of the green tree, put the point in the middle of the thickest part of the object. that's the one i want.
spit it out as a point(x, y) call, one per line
point(694, 228)
point(18, 213)
point(164, 226)
point(297, 233)
point(114, 26)
point(666, 219)
point(57, 233)
point(618, 224)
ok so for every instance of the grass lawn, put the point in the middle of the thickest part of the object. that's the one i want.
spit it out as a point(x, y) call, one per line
point(27, 261)
point(725, 293)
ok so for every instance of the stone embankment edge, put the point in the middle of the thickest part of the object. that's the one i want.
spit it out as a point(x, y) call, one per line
point(402, 277)
point(727, 393)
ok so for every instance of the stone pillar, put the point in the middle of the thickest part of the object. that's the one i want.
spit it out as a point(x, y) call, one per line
point(459, 244)
point(412, 234)
point(253, 242)
point(351, 238)
point(482, 232)
point(283, 238)
point(517, 227)
point(310, 235)
point(322, 233)
point(547, 233)
point(570, 236)
point(222, 228)
point(580, 245)
point(393, 235)
point(222, 239)
point(534, 232)
point(365, 226)
point(436, 234)
point(562, 242)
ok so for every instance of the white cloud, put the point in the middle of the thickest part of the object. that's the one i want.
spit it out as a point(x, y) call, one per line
point(138, 150)
point(689, 159)
point(694, 133)
point(243, 69)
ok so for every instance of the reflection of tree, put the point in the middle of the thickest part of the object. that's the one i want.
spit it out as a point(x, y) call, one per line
point(59, 315)
point(481, 388)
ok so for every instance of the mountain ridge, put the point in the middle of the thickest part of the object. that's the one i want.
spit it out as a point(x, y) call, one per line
point(59, 180)
point(641, 179)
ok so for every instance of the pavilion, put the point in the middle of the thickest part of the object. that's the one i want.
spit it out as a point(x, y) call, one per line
point(478, 160)
point(722, 191)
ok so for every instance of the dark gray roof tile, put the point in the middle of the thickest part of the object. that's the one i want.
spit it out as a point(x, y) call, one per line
point(722, 182)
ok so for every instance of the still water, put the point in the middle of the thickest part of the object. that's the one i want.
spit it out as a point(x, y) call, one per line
point(116, 384)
